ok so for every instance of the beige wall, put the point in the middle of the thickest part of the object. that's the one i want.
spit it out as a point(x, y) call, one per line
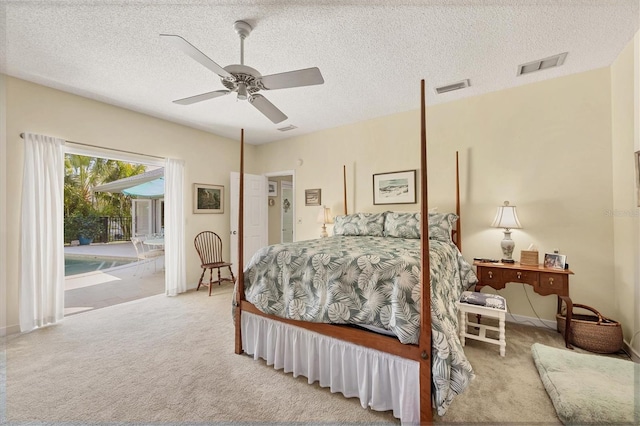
point(545, 147)
point(34, 108)
point(550, 148)
point(625, 92)
point(3, 210)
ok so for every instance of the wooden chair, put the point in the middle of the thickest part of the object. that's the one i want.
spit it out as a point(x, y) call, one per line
point(209, 247)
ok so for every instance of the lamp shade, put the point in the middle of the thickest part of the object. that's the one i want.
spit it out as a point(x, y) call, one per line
point(324, 215)
point(506, 217)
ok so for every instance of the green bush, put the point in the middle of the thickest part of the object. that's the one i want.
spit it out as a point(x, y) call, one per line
point(82, 225)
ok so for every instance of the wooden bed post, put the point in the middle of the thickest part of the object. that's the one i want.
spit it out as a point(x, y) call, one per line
point(458, 227)
point(344, 187)
point(424, 342)
point(240, 282)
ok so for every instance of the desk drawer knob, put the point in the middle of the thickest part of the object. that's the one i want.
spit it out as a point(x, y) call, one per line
point(550, 281)
point(519, 274)
point(490, 274)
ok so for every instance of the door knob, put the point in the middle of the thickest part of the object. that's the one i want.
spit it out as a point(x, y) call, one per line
point(233, 232)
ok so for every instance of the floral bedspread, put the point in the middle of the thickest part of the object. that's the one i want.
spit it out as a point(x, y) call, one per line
point(366, 280)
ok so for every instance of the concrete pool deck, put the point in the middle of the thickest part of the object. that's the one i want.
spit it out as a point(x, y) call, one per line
point(98, 289)
point(123, 249)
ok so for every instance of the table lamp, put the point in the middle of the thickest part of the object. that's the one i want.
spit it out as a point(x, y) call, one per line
point(324, 217)
point(507, 218)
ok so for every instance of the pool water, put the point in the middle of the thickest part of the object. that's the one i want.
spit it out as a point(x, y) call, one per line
point(74, 265)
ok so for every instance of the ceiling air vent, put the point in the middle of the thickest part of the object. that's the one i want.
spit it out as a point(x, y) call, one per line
point(542, 64)
point(287, 128)
point(455, 86)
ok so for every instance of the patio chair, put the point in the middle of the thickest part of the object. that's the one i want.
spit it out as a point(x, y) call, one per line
point(145, 253)
point(209, 247)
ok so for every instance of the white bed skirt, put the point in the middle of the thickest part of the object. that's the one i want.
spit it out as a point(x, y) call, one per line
point(380, 380)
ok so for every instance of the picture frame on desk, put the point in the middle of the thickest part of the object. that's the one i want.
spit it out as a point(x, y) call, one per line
point(554, 261)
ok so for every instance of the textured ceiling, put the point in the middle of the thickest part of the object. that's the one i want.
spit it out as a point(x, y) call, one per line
point(372, 54)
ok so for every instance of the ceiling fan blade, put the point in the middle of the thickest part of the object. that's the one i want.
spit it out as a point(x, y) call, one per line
point(196, 54)
point(305, 77)
point(263, 105)
point(203, 97)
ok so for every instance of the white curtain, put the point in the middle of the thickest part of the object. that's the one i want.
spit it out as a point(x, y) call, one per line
point(175, 276)
point(42, 240)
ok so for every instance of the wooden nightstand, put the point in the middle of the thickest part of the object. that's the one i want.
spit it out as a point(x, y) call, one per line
point(545, 281)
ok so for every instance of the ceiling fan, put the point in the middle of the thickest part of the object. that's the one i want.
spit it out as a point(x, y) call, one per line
point(244, 80)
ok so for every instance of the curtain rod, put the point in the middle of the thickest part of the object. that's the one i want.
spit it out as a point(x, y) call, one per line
point(111, 149)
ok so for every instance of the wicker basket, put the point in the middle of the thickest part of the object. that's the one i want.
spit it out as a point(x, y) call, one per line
point(594, 333)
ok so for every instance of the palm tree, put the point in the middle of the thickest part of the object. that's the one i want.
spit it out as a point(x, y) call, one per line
point(82, 205)
point(84, 173)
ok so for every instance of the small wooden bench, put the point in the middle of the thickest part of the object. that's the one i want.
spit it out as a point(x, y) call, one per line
point(483, 304)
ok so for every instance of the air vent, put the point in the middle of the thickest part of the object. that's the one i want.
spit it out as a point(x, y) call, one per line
point(455, 86)
point(542, 64)
point(287, 128)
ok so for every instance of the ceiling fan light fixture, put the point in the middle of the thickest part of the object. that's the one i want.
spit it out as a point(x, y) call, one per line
point(242, 92)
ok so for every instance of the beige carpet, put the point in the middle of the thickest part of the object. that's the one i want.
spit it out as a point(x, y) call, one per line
point(171, 360)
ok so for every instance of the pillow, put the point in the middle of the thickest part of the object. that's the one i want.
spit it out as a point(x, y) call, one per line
point(402, 225)
point(407, 225)
point(440, 226)
point(359, 224)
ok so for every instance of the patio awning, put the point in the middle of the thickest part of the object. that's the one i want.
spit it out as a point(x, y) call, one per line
point(126, 183)
point(154, 188)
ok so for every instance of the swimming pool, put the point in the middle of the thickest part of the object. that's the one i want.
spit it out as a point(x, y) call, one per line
point(74, 265)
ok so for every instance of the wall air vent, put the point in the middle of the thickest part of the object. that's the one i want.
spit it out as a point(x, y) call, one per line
point(451, 87)
point(542, 64)
point(287, 128)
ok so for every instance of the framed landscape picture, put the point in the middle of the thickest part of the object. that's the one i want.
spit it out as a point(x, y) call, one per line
point(208, 198)
point(394, 187)
point(312, 197)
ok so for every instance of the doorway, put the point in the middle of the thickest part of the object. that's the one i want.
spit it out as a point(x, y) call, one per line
point(281, 211)
point(108, 271)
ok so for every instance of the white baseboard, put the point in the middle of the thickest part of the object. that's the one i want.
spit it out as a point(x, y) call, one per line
point(521, 319)
point(12, 329)
point(635, 356)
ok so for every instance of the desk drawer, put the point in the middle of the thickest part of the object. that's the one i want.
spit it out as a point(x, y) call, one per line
point(490, 276)
point(527, 277)
point(553, 284)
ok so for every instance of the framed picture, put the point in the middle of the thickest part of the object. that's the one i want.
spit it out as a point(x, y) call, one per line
point(208, 198)
point(554, 260)
point(394, 188)
point(272, 188)
point(312, 197)
point(637, 161)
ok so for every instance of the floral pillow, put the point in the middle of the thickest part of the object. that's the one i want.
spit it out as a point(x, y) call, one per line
point(359, 224)
point(407, 225)
point(440, 225)
point(402, 225)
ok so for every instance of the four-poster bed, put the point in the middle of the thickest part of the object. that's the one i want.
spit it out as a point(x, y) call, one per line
point(383, 372)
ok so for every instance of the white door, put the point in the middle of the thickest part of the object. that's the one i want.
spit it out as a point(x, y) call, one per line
point(158, 216)
point(286, 211)
point(255, 216)
point(141, 222)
